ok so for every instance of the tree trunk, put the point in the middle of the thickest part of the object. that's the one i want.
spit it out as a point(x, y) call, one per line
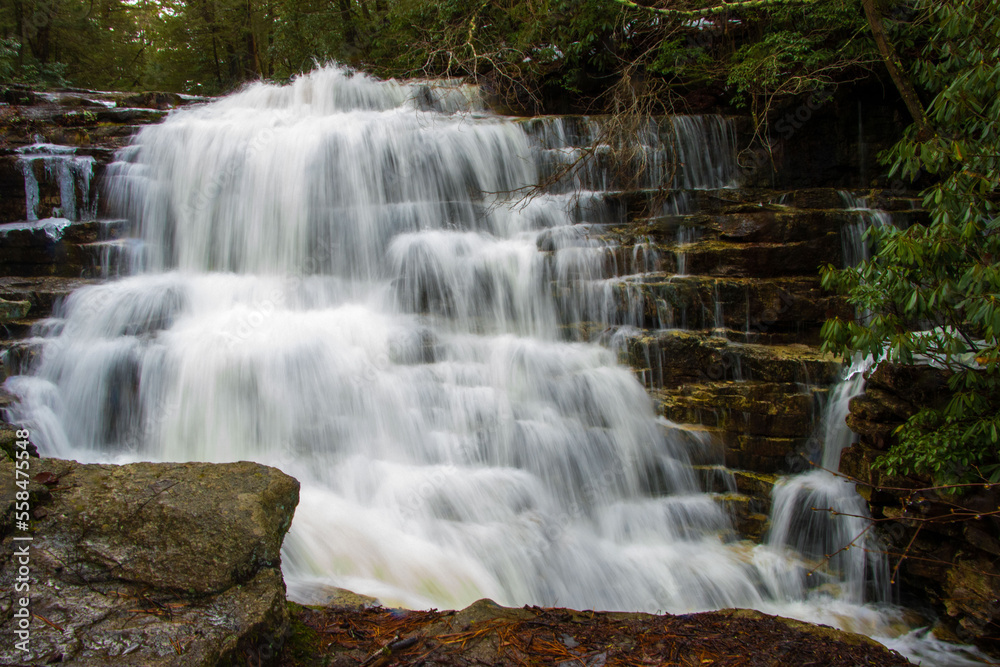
point(350, 33)
point(892, 63)
point(22, 30)
point(253, 53)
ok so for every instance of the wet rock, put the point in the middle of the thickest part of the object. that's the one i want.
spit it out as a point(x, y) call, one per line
point(677, 357)
point(946, 542)
point(764, 260)
point(42, 293)
point(153, 100)
point(748, 515)
point(754, 483)
point(57, 247)
point(749, 307)
point(8, 444)
point(149, 563)
point(13, 310)
point(764, 427)
point(341, 598)
point(972, 597)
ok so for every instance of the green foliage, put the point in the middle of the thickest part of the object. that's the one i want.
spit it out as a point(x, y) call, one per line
point(51, 43)
point(799, 51)
point(933, 290)
point(517, 48)
point(8, 59)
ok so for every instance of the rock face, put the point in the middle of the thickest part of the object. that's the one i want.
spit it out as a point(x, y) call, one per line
point(148, 563)
point(727, 310)
point(947, 544)
point(62, 248)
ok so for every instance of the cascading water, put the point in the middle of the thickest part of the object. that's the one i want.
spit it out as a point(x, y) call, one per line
point(71, 173)
point(854, 236)
point(821, 516)
point(341, 280)
point(817, 513)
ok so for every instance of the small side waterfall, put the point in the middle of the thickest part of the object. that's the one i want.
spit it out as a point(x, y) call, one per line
point(822, 517)
point(818, 513)
point(854, 236)
point(72, 174)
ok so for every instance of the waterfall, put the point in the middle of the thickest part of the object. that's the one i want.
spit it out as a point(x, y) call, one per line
point(71, 173)
point(854, 242)
point(822, 517)
point(817, 513)
point(341, 277)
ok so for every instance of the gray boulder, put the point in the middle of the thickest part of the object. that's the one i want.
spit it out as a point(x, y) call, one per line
point(147, 563)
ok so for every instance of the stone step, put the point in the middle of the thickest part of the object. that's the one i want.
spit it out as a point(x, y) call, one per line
point(56, 246)
point(11, 310)
point(715, 478)
point(675, 358)
point(13, 330)
point(748, 514)
point(649, 204)
point(757, 455)
point(751, 224)
point(828, 198)
point(43, 293)
point(16, 357)
point(753, 483)
point(763, 260)
point(714, 257)
point(764, 427)
point(736, 409)
point(750, 307)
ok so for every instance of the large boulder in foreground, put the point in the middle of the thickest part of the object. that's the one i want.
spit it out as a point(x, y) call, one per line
point(148, 563)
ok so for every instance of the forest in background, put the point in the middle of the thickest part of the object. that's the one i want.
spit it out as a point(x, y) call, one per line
point(524, 50)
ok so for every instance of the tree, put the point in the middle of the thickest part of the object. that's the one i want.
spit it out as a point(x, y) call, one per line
point(100, 44)
point(933, 291)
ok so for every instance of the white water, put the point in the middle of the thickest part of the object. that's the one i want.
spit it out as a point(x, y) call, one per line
point(821, 516)
point(71, 173)
point(854, 241)
point(338, 283)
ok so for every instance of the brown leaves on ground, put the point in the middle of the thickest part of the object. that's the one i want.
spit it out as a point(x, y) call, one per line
point(487, 634)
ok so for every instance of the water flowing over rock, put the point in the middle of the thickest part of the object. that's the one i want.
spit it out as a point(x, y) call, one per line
point(72, 174)
point(944, 545)
point(417, 308)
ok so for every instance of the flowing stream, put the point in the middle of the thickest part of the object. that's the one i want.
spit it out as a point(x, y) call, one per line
point(342, 278)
